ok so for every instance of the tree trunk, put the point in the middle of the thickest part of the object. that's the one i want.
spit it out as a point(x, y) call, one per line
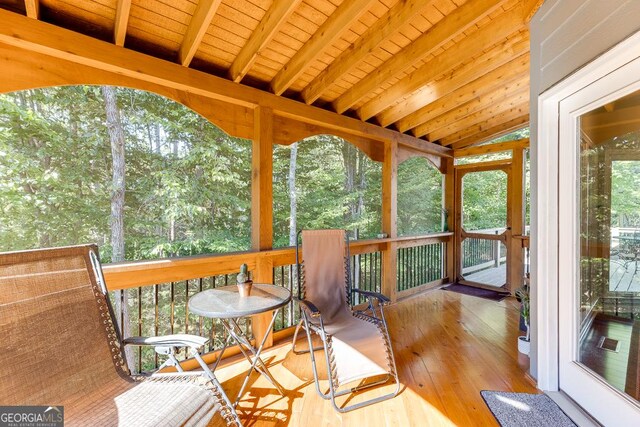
point(293, 206)
point(116, 139)
point(158, 139)
point(349, 160)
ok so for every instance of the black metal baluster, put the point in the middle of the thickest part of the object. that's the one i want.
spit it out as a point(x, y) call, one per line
point(155, 327)
point(186, 307)
point(173, 305)
point(200, 317)
point(140, 328)
point(422, 263)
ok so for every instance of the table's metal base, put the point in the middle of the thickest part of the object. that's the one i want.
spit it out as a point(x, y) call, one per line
point(250, 353)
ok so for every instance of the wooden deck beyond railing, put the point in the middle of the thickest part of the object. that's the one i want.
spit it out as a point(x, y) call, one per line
point(159, 289)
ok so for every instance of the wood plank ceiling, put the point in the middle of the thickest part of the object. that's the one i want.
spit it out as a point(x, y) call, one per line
point(453, 72)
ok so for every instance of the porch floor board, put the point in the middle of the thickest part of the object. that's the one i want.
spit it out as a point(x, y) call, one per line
point(448, 348)
point(494, 276)
point(624, 278)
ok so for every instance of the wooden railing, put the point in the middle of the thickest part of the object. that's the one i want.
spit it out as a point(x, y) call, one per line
point(158, 290)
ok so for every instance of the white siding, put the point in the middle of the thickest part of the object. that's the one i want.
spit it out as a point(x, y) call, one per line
point(565, 36)
point(571, 33)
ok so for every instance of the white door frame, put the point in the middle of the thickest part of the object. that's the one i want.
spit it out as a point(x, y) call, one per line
point(545, 274)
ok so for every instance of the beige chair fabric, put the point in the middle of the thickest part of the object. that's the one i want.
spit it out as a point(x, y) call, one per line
point(60, 347)
point(357, 345)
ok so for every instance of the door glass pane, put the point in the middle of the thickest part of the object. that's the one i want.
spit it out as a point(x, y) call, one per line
point(484, 261)
point(484, 202)
point(610, 243)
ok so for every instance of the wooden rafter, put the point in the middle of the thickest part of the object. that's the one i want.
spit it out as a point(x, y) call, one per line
point(339, 21)
point(498, 29)
point(481, 123)
point(39, 37)
point(509, 77)
point(610, 123)
point(492, 132)
point(123, 9)
point(446, 29)
point(381, 30)
point(530, 7)
point(269, 26)
point(200, 21)
point(33, 8)
point(436, 128)
point(514, 100)
point(517, 144)
point(495, 58)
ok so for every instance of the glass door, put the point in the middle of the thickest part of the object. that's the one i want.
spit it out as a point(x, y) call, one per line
point(483, 223)
point(599, 248)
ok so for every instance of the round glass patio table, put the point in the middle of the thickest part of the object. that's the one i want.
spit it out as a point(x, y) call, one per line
point(226, 304)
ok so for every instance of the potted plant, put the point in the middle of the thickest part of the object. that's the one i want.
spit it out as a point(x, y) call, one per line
point(522, 294)
point(445, 220)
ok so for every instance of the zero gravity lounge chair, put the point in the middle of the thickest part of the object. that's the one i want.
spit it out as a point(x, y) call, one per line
point(356, 344)
point(59, 347)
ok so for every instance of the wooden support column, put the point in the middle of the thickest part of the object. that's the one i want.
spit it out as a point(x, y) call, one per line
point(390, 218)
point(449, 205)
point(262, 209)
point(516, 195)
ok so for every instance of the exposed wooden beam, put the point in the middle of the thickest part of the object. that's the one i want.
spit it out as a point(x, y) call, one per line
point(278, 14)
point(610, 123)
point(496, 31)
point(405, 153)
point(495, 58)
point(33, 8)
point(384, 27)
point(493, 132)
point(497, 95)
point(486, 111)
point(339, 22)
point(40, 37)
point(200, 21)
point(517, 144)
point(530, 8)
point(122, 20)
point(611, 118)
point(506, 78)
point(446, 29)
point(479, 123)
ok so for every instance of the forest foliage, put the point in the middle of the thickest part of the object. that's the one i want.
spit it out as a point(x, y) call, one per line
point(187, 183)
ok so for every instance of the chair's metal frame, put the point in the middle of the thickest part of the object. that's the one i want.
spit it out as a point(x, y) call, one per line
point(167, 345)
point(371, 314)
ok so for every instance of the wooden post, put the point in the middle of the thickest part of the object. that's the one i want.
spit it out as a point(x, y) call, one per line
point(449, 205)
point(262, 209)
point(390, 218)
point(261, 180)
point(516, 253)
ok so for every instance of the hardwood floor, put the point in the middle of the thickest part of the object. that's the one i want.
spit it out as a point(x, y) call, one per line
point(448, 348)
point(616, 367)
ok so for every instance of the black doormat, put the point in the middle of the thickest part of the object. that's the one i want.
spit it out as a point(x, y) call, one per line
point(477, 292)
point(525, 410)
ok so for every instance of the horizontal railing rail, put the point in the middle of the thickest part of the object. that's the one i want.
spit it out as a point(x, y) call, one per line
point(133, 274)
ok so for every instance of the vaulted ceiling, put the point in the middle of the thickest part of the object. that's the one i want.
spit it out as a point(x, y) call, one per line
point(453, 72)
